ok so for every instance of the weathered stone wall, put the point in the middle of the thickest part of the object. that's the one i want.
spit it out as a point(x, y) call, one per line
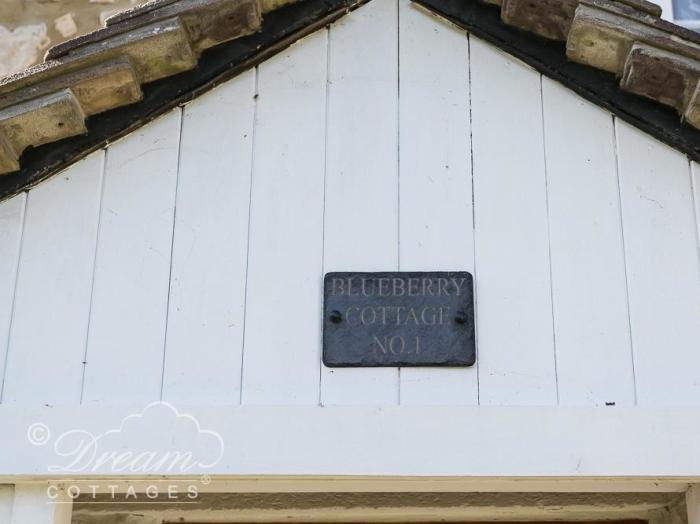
point(29, 27)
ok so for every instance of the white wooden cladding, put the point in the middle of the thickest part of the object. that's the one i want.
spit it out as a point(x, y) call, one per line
point(517, 360)
point(24, 503)
point(589, 291)
point(661, 246)
point(53, 289)
point(285, 259)
point(132, 266)
point(204, 339)
point(362, 182)
point(11, 225)
point(185, 262)
point(7, 494)
point(435, 183)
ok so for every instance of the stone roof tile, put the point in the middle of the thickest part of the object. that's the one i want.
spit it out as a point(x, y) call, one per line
point(651, 57)
point(105, 69)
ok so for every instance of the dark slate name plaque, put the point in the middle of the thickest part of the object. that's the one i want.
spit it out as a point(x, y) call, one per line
point(398, 319)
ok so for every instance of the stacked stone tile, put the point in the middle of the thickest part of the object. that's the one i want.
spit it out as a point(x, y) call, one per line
point(653, 58)
point(105, 69)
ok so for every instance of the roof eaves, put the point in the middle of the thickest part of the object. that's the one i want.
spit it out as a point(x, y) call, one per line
point(105, 69)
point(280, 28)
point(617, 53)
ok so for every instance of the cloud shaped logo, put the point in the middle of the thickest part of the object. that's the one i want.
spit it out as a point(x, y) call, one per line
point(159, 440)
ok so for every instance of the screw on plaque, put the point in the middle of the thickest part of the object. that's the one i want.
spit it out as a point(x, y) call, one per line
point(461, 318)
point(336, 317)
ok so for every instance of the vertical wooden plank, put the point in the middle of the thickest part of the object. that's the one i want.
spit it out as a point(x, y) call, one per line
point(663, 268)
point(207, 289)
point(436, 227)
point(361, 217)
point(514, 310)
point(695, 183)
point(589, 286)
point(11, 224)
point(41, 504)
point(132, 267)
point(692, 501)
point(54, 282)
point(282, 340)
point(7, 494)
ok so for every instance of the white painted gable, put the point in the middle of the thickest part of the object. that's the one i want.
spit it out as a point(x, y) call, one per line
point(185, 261)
